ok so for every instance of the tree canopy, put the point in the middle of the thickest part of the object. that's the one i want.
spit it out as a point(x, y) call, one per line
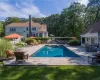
point(71, 22)
point(1, 29)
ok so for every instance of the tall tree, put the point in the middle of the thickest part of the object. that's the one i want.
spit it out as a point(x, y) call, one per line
point(9, 20)
point(93, 10)
point(72, 20)
point(23, 19)
point(39, 20)
point(52, 24)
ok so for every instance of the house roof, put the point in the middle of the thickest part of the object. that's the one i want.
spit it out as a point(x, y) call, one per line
point(25, 24)
point(93, 28)
point(43, 27)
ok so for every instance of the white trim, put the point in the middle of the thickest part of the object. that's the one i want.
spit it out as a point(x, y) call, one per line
point(89, 35)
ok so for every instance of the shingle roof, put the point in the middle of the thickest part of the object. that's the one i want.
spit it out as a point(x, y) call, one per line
point(93, 28)
point(43, 27)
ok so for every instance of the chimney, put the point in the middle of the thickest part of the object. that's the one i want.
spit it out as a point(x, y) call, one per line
point(30, 33)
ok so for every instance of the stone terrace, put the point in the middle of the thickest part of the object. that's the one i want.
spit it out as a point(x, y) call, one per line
point(82, 60)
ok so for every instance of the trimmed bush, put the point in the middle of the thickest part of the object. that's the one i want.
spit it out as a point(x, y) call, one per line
point(29, 40)
point(34, 41)
point(4, 45)
point(40, 38)
point(74, 42)
point(68, 38)
point(20, 44)
point(39, 41)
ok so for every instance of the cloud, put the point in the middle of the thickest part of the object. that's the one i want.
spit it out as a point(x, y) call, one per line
point(85, 2)
point(22, 9)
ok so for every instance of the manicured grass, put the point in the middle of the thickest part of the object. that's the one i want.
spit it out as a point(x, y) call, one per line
point(49, 73)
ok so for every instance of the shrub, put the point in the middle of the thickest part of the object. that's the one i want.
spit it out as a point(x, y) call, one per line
point(39, 41)
point(40, 38)
point(20, 44)
point(29, 40)
point(4, 45)
point(68, 38)
point(74, 42)
point(35, 41)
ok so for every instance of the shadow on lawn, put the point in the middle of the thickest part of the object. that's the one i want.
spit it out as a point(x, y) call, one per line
point(49, 72)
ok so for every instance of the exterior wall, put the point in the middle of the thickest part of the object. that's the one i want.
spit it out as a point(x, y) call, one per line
point(90, 38)
point(94, 40)
point(99, 37)
point(23, 31)
point(46, 34)
point(87, 40)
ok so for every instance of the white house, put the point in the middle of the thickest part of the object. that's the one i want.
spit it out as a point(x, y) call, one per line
point(91, 35)
point(37, 29)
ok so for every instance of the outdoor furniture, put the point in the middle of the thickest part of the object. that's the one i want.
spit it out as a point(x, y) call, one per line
point(20, 56)
point(91, 48)
point(95, 59)
point(92, 59)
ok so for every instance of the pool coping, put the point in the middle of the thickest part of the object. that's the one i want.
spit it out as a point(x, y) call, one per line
point(54, 60)
point(78, 56)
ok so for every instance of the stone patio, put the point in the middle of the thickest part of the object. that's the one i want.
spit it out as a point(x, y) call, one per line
point(82, 60)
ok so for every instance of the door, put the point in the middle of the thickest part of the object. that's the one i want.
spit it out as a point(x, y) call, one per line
point(83, 40)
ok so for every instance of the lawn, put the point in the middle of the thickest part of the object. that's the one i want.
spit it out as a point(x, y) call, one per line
point(49, 73)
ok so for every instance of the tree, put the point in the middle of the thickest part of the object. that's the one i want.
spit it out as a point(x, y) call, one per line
point(93, 10)
point(1, 29)
point(9, 20)
point(23, 19)
point(39, 20)
point(52, 24)
point(72, 20)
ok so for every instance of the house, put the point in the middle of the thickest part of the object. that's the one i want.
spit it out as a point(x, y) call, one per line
point(27, 29)
point(91, 35)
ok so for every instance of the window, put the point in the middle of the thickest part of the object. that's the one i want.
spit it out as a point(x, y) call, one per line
point(34, 29)
point(12, 29)
point(27, 28)
point(40, 34)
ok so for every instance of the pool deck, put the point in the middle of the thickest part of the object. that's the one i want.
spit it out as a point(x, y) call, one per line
point(82, 60)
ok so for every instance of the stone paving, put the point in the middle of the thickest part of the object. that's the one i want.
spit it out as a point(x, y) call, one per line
point(82, 60)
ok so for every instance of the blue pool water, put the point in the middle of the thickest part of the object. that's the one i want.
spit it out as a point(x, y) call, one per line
point(54, 51)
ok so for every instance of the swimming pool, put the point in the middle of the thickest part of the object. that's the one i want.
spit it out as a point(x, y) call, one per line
point(54, 51)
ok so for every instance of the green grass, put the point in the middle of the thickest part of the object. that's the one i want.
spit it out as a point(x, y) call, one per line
point(49, 73)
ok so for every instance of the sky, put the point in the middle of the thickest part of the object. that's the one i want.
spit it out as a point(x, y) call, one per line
point(36, 8)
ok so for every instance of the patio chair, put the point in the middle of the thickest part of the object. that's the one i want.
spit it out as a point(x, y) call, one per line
point(20, 57)
point(93, 48)
point(9, 54)
point(95, 58)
